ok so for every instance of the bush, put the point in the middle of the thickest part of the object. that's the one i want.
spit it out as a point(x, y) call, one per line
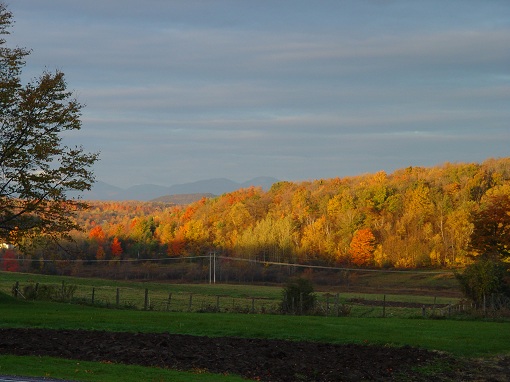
point(484, 278)
point(298, 297)
point(49, 292)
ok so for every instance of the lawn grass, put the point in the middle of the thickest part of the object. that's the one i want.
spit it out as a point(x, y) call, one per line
point(49, 367)
point(463, 338)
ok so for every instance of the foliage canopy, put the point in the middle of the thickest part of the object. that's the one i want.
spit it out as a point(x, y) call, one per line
point(491, 233)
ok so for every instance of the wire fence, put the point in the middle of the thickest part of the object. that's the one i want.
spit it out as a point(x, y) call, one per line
point(326, 304)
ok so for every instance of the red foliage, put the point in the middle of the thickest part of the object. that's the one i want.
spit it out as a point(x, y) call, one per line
point(176, 247)
point(116, 247)
point(10, 262)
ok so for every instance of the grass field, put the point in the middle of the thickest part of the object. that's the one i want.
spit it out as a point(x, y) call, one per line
point(462, 338)
point(244, 298)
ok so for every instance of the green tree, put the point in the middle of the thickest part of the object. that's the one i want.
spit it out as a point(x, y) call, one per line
point(36, 170)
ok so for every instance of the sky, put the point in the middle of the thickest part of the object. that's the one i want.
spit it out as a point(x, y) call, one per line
point(181, 91)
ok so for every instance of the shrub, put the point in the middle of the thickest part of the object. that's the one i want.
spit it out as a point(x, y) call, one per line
point(298, 296)
point(49, 292)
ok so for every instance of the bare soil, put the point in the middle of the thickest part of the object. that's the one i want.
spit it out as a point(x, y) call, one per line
point(256, 359)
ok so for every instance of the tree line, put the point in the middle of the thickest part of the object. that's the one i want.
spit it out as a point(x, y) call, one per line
point(415, 217)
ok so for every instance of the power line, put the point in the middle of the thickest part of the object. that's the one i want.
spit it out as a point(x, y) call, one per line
point(334, 268)
point(295, 265)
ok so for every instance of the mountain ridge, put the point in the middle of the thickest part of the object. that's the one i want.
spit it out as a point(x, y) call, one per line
point(146, 192)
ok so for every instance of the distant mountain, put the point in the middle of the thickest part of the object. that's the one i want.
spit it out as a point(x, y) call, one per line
point(101, 191)
point(146, 192)
point(216, 186)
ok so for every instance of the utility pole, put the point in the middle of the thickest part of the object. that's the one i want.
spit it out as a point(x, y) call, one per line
point(212, 267)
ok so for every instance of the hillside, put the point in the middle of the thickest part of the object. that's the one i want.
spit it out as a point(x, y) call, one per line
point(415, 217)
point(181, 199)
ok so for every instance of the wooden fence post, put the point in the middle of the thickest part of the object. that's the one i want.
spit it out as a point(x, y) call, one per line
point(16, 289)
point(168, 301)
point(93, 294)
point(146, 302)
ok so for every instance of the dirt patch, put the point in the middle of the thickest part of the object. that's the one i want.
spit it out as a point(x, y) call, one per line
point(257, 359)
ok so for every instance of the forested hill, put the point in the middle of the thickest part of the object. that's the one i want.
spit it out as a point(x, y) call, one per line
point(413, 217)
point(182, 199)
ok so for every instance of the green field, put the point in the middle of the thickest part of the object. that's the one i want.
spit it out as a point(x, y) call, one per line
point(462, 338)
point(248, 298)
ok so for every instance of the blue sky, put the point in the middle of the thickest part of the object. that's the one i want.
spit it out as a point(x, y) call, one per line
point(180, 91)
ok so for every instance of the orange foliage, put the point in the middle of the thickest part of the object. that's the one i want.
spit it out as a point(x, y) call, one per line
point(362, 247)
point(241, 195)
point(97, 234)
point(176, 247)
point(189, 212)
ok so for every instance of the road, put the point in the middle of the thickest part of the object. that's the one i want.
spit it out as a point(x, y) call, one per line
point(8, 378)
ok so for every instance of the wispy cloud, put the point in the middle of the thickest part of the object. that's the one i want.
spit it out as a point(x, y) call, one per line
point(291, 89)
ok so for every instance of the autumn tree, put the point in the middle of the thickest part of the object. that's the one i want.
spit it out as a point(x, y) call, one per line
point(36, 170)
point(491, 232)
point(116, 248)
point(97, 234)
point(362, 247)
point(316, 239)
point(490, 241)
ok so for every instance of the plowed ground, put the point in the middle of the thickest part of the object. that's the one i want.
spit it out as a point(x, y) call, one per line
point(257, 359)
